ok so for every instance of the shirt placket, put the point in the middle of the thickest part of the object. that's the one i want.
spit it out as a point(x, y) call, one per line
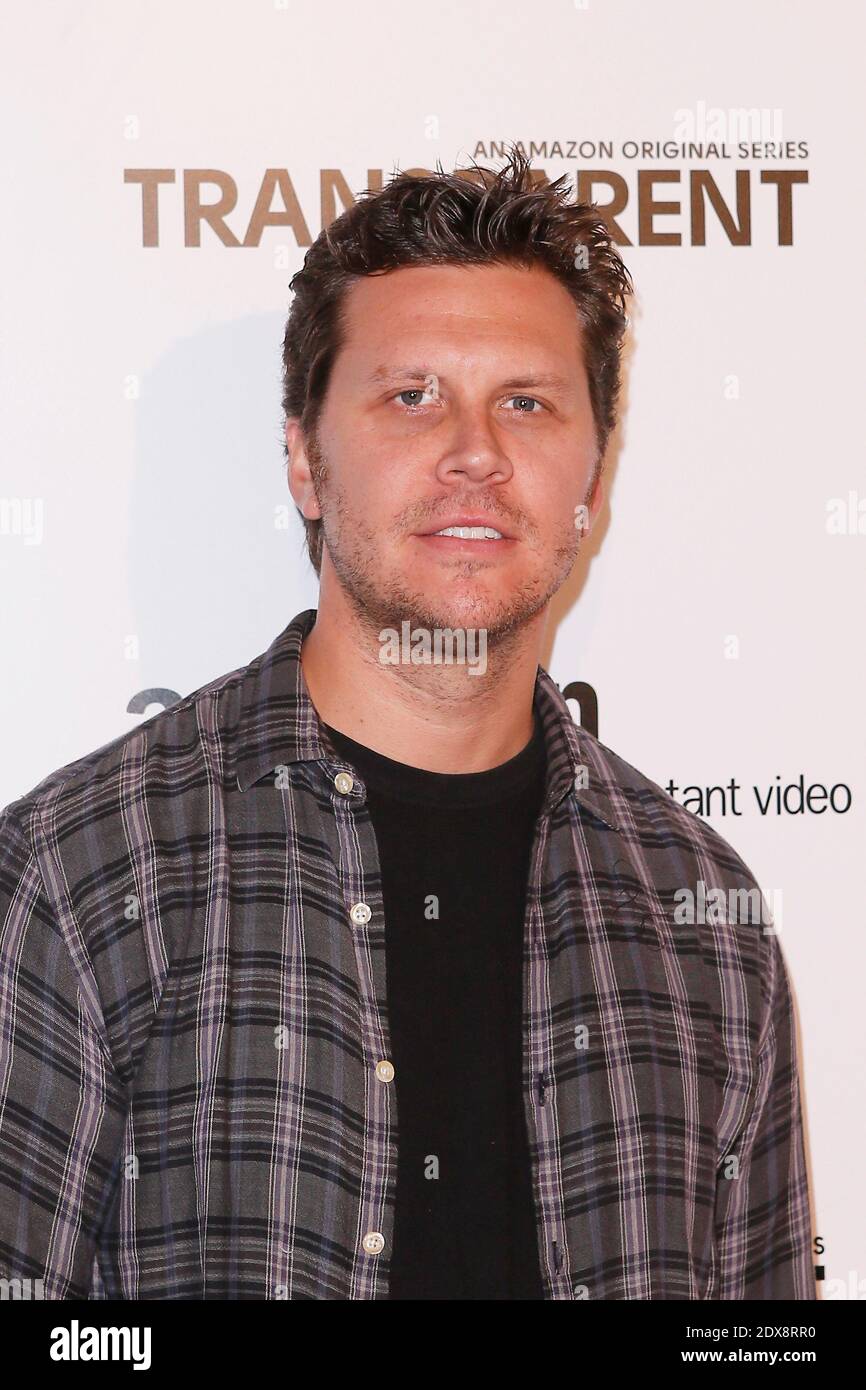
point(540, 1079)
point(359, 870)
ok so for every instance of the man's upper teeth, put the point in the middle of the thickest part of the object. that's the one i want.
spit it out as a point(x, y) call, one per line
point(471, 533)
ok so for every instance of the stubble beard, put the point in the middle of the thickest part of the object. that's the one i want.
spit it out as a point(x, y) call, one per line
point(382, 602)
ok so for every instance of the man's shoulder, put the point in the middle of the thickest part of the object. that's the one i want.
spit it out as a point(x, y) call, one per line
point(704, 887)
point(645, 810)
point(161, 743)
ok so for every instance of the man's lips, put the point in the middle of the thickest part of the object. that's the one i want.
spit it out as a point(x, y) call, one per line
point(466, 522)
point(459, 545)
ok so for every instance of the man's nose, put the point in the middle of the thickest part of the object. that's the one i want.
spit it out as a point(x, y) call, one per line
point(475, 450)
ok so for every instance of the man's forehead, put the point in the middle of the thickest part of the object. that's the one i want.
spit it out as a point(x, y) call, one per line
point(393, 331)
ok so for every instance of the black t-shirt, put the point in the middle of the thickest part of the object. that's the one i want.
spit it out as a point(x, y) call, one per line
point(454, 852)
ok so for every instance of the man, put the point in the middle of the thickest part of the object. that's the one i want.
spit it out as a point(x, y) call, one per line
point(362, 972)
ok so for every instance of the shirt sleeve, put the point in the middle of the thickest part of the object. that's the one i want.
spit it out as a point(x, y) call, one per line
point(763, 1221)
point(62, 1105)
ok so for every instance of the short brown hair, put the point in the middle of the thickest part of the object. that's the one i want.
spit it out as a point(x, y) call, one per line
point(475, 216)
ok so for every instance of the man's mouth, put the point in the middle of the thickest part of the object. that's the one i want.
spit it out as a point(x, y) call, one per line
point(466, 541)
point(471, 533)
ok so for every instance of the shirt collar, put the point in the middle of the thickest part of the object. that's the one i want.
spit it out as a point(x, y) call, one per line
point(279, 726)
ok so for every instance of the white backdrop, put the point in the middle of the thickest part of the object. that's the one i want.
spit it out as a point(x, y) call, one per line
point(147, 537)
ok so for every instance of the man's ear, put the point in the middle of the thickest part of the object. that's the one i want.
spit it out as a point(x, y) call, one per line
point(300, 478)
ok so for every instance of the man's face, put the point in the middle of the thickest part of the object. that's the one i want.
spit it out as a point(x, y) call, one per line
point(459, 393)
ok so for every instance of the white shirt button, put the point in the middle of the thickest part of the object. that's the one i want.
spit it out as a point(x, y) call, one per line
point(360, 914)
point(373, 1242)
point(385, 1071)
point(344, 782)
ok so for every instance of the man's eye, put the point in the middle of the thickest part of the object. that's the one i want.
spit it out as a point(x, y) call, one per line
point(524, 400)
point(418, 391)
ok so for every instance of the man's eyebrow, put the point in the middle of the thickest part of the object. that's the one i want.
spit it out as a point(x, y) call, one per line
point(381, 376)
point(543, 379)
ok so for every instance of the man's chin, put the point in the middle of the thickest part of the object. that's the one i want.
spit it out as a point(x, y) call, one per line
point(495, 615)
point(387, 598)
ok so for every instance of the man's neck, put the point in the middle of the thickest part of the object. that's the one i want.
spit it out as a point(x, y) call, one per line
point(440, 717)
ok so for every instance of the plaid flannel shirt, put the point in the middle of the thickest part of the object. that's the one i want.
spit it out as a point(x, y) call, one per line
point(193, 1005)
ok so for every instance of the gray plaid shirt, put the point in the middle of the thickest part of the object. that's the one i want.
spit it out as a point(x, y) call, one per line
point(193, 1010)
